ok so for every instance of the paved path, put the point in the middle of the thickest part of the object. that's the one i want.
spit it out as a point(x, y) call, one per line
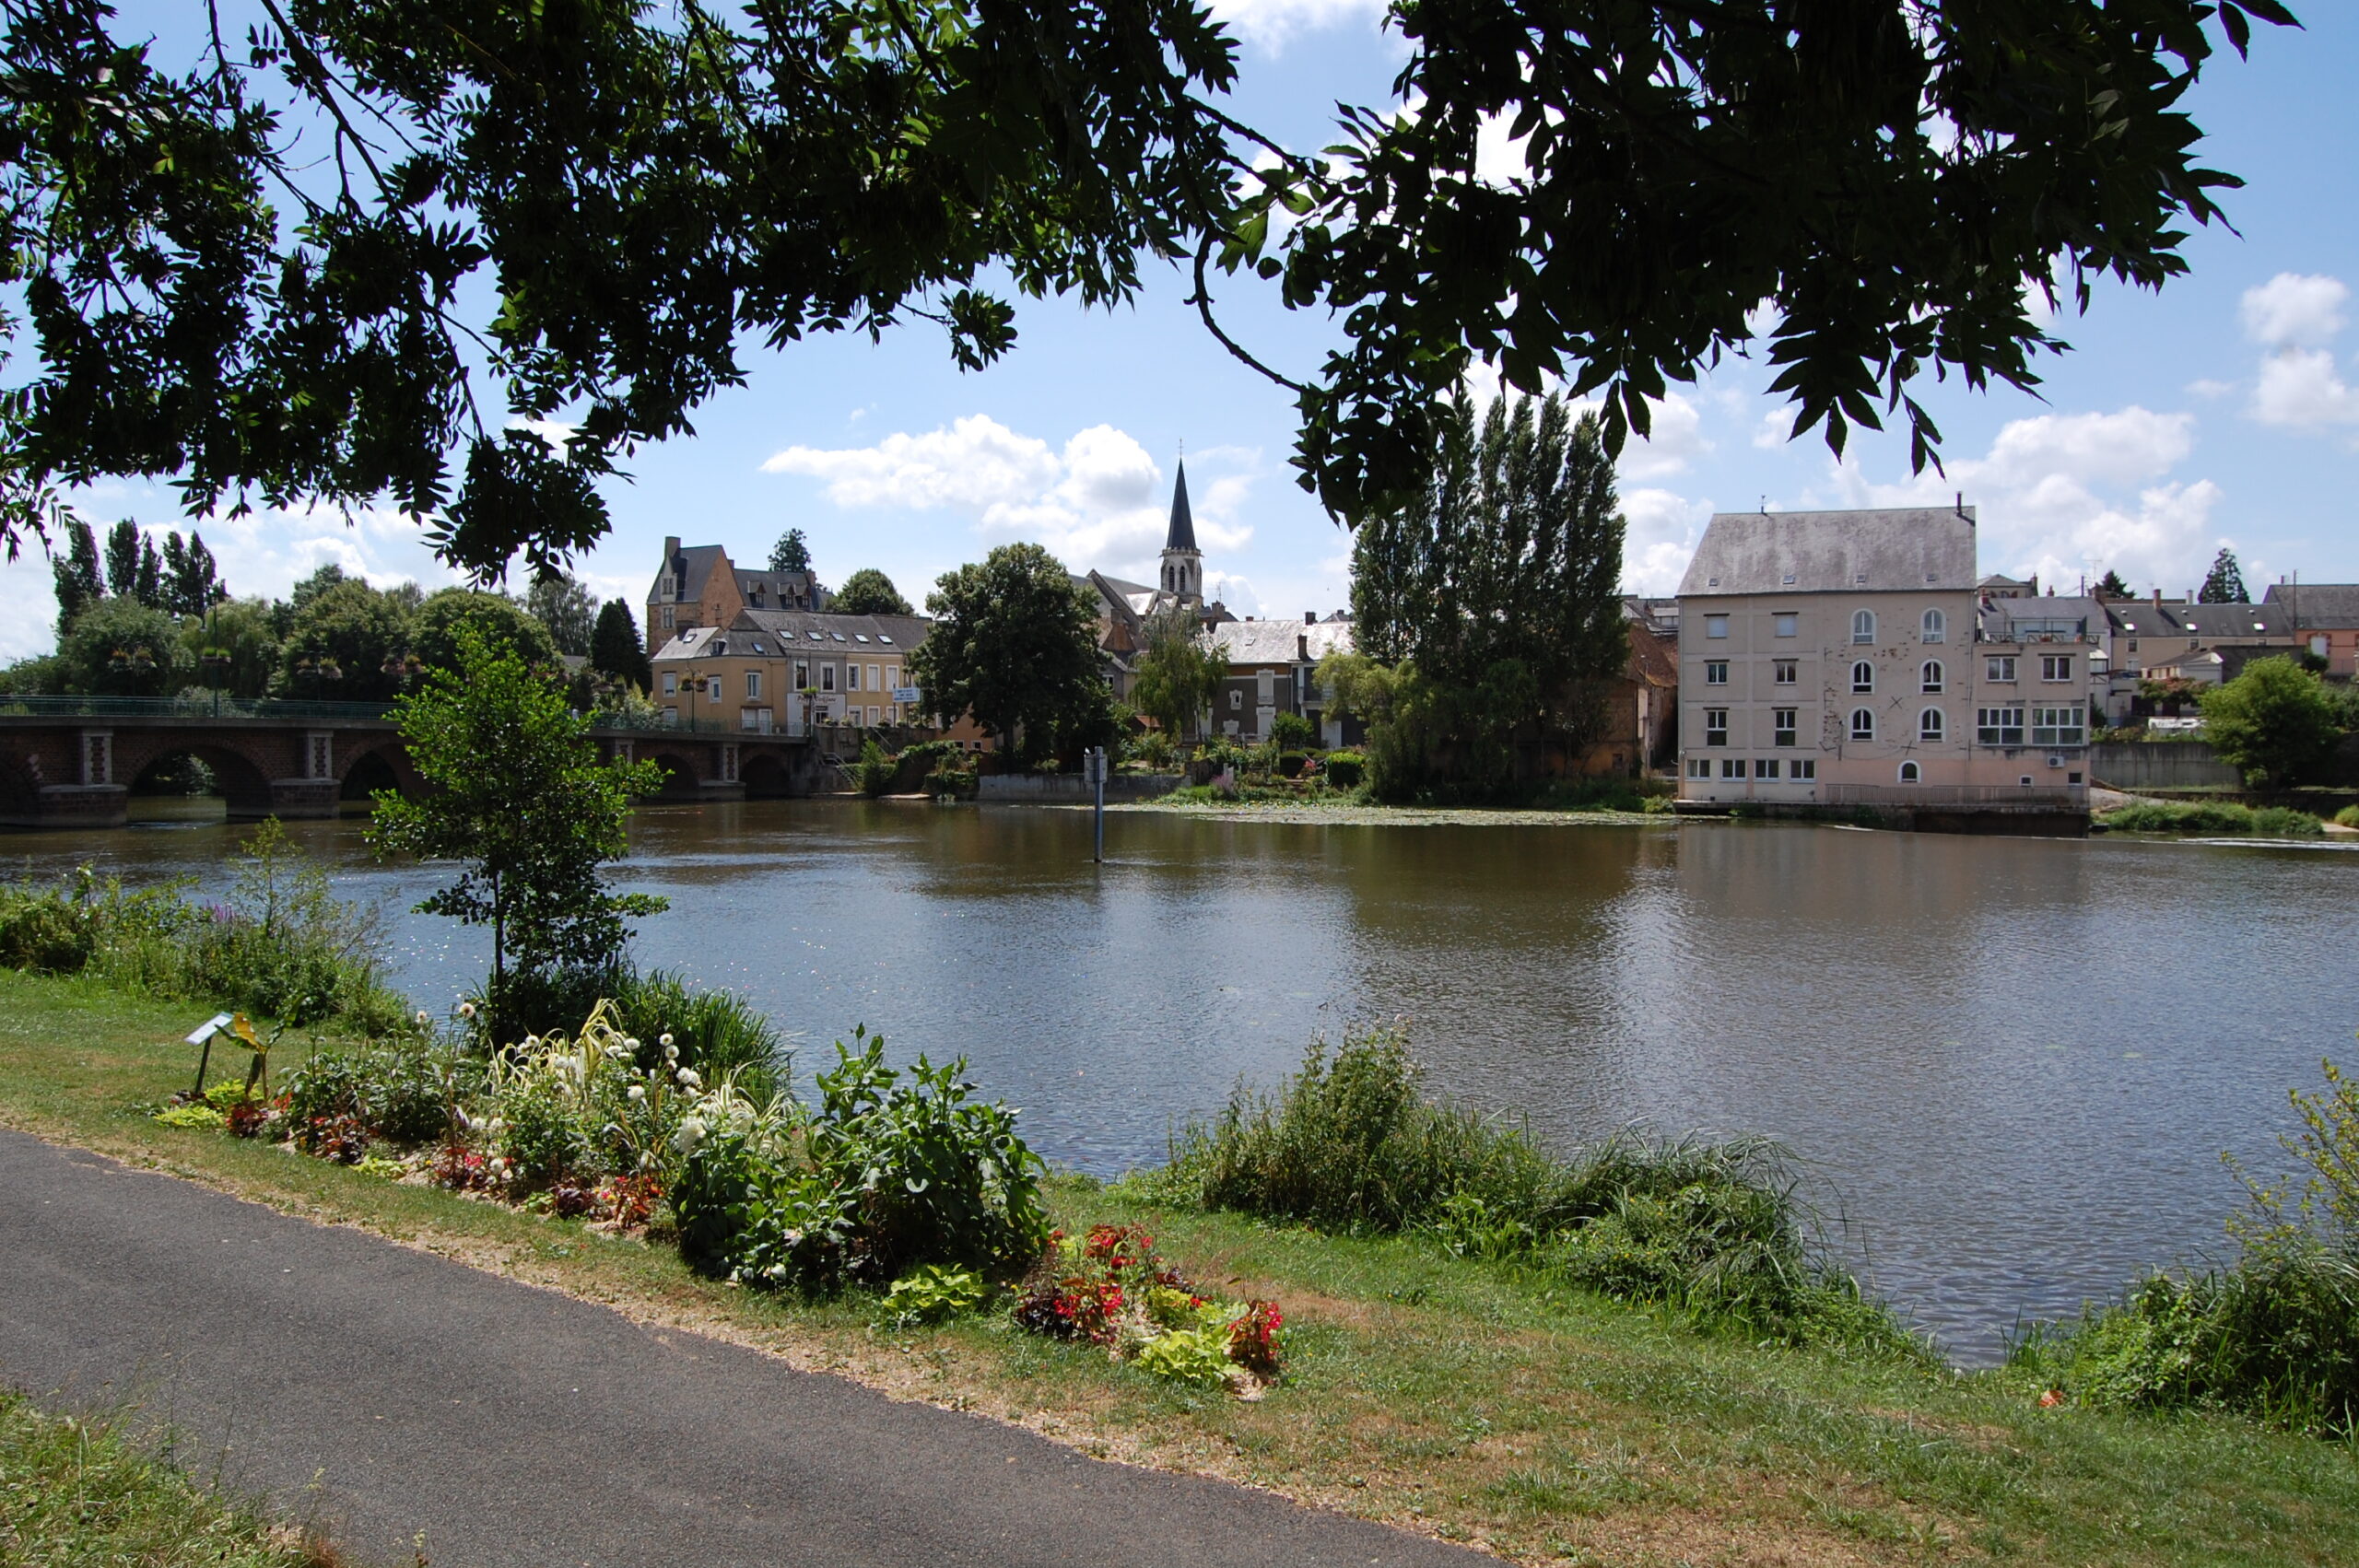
point(517, 1426)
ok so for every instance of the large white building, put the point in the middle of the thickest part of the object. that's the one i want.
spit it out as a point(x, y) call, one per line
point(1835, 659)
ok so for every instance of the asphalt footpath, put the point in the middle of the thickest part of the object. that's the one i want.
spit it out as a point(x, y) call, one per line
point(389, 1396)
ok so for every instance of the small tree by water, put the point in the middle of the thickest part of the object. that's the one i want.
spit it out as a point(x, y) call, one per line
point(2274, 723)
point(522, 800)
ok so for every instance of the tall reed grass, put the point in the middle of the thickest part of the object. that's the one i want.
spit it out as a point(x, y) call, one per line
point(2222, 817)
point(1352, 1144)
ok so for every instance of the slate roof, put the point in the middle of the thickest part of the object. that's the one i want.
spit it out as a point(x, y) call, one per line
point(2317, 606)
point(1253, 643)
point(694, 563)
point(776, 634)
point(1900, 550)
point(2212, 623)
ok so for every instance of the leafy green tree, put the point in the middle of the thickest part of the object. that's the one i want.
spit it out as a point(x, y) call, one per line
point(434, 632)
point(1015, 643)
point(239, 631)
point(43, 674)
point(2225, 584)
point(1179, 672)
point(77, 573)
point(192, 582)
point(348, 643)
point(869, 593)
point(520, 796)
point(1872, 178)
point(2273, 723)
point(569, 610)
point(122, 647)
point(1500, 587)
point(616, 650)
point(2110, 586)
point(790, 553)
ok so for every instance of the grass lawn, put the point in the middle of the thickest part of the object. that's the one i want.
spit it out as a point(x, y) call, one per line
point(1458, 1398)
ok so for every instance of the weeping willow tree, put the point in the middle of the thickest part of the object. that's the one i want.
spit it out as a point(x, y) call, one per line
point(1493, 604)
point(1180, 672)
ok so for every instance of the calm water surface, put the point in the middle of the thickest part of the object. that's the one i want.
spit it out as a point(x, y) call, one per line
point(2014, 1062)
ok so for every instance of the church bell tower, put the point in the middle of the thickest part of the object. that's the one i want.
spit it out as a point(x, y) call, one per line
point(1183, 563)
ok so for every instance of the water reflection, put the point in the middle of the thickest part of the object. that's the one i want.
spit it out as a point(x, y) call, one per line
point(2017, 1061)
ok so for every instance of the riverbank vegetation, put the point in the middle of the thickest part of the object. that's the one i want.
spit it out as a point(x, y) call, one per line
point(1482, 1399)
point(75, 1494)
point(2217, 818)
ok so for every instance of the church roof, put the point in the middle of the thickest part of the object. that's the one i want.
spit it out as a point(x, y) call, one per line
point(1183, 525)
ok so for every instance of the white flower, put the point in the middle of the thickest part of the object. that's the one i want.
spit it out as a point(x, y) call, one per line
point(466, 1010)
point(422, 1017)
point(688, 1076)
point(500, 1164)
point(690, 1134)
point(630, 1043)
point(532, 1042)
point(665, 1039)
point(637, 1092)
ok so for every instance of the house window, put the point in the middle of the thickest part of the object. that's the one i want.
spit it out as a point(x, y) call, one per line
point(2133, 645)
point(1781, 671)
point(753, 686)
point(872, 716)
point(1716, 671)
point(1999, 726)
point(852, 677)
point(670, 683)
point(1928, 679)
point(1863, 724)
point(2318, 647)
point(827, 677)
point(876, 678)
point(667, 617)
point(801, 674)
point(1766, 768)
point(712, 685)
point(1908, 774)
point(1782, 722)
point(1864, 627)
point(1999, 667)
point(2063, 726)
point(1716, 726)
point(1930, 727)
point(1699, 767)
point(1863, 677)
point(1787, 623)
point(2055, 666)
point(1732, 767)
point(1937, 627)
point(1805, 767)
point(1716, 626)
point(1236, 700)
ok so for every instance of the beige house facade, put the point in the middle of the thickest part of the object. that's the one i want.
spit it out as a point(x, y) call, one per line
point(779, 671)
point(1836, 659)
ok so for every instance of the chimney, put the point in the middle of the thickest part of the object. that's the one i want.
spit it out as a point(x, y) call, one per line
point(1302, 647)
point(1310, 617)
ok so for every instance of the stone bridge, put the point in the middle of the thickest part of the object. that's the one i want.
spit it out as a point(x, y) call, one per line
point(74, 762)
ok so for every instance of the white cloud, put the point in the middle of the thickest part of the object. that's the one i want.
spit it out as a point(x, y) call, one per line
point(2121, 448)
point(1661, 532)
point(2301, 389)
point(976, 462)
point(1676, 440)
point(2293, 310)
point(1272, 24)
point(1099, 501)
point(2209, 388)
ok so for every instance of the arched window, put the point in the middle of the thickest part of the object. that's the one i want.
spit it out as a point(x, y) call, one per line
point(1908, 773)
point(1863, 677)
point(1928, 679)
point(1864, 627)
point(1863, 724)
point(1930, 725)
point(1937, 625)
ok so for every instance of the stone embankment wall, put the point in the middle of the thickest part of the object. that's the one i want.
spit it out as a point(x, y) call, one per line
point(2164, 765)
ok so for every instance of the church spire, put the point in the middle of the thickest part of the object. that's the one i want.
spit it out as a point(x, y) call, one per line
point(1183, 524)
point(1183, 563)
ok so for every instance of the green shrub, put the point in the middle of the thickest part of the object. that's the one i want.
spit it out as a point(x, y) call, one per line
point(544, 1137)
point(2347, 817)
point(895, 1169)
point(1292, 732)
point(935, 1293)
point(1290, 763)
point(955, 782)
point(1198, 1356)
point(1345, 770)
point(1350, 1145)
point(718, 1032)
point(875, 772)
point(2213, 817)
point(401, 1093)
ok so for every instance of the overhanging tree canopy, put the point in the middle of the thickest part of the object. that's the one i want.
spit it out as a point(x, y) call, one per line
point(1868, 181)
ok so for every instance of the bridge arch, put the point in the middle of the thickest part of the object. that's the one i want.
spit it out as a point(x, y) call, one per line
point(238, 775)
point(681, 778)
point(765, 775)
point(377, 767)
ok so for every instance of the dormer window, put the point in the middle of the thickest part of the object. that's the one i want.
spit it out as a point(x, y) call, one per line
point(882, 638)
point(858, 637)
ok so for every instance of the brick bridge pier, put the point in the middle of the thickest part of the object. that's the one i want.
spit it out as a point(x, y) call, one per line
point(71, 762)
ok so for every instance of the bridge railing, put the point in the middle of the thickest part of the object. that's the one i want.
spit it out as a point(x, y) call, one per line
point(201, 707)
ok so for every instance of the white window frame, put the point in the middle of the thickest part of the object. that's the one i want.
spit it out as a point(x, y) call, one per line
point(1806, 770)
point(1784, 728)
point(670, 683)
point(1999, 668)
point(1716, 671)
point(753, 686)
point(1863, 732)
point(1715, 626)
point(1934, 628)
point(852, 677)
point(1716, 726)
point(2065, 724)
point(1785, 672)
point(1911, 774)
point(1863, 677)
point(1786, 623)
point(1993, 725)
point(827, 677)
point(1732, 767)
point(1699, 767)
point(1933, 726)
point(1765, 768)
point(1930, 677)
point(1863, 627)
point(2056, 667)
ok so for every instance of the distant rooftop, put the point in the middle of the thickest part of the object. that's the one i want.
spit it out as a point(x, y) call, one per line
point(1884, 551)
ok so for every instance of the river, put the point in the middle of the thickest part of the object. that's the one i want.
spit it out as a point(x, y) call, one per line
point(2014, 1064)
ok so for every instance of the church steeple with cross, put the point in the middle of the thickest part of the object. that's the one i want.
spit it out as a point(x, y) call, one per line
point(1183, 563)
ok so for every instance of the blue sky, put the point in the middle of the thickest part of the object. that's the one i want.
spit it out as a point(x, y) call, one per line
point(2225, 410)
